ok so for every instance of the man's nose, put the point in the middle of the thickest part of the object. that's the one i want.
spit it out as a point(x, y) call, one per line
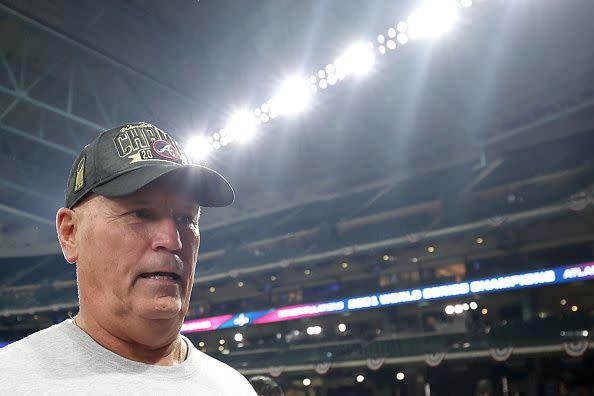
point(166, 235)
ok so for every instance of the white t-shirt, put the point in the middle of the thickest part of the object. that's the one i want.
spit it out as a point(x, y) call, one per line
point(64, 360)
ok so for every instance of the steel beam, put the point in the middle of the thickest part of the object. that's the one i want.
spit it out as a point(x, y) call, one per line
point(22, 213)
point(23, 96)
point(98, 54)
point(9, 108)
point(25, 190)
point(71, 78)
point(47, 143)
point(84, 78)
point(24, 58)
point(9, 71)
point(486, 172)
point(544, 120)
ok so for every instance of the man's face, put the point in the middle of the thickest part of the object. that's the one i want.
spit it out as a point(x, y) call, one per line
point(137, 254)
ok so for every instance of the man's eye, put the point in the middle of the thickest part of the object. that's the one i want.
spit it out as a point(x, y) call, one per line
point(185, 219)
point(141, 213)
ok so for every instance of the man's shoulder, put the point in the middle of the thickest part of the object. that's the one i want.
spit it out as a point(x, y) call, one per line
point(216, 365)
point(219, 372)
point(22, 350)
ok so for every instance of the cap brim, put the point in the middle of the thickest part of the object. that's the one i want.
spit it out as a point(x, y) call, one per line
point(203, 184)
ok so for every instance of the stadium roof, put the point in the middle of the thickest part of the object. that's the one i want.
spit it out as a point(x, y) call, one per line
point(512, 75)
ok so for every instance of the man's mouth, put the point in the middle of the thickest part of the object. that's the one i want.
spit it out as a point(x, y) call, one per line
point(161, 276)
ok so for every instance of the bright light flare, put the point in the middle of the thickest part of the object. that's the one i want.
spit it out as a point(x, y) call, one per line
point(294, 96)
point(241, 126)
point(314, 330)
point(433, 18)
point(198, 148)
point(358, 59)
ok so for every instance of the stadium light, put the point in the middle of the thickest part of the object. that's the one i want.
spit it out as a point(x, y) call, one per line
point(241, 127)
point(433, 18)
point(293, 97)
point(342, 327)
point(198, 148)
point(314, 330)
point(358, 59)
point(238, 337)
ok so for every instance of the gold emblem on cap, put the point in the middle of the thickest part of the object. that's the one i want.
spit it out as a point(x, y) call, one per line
point(79, 180)
point(134, 141)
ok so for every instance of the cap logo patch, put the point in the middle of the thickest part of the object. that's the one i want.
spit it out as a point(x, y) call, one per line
point(165, 149)
point(79, 180)
point(142, 142)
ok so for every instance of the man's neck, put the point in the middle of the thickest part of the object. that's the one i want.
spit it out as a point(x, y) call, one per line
point(170, 354)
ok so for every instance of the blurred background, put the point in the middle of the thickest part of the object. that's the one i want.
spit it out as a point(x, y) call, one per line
point(414, 180)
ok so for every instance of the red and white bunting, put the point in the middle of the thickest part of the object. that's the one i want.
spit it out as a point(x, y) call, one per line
point(276, 371)
point(575, 348)
point(322, 368)
point(434, 359)
point(501, 354)
point(375, 364)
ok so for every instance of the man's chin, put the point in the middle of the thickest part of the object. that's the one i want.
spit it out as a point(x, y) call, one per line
point(163, 309)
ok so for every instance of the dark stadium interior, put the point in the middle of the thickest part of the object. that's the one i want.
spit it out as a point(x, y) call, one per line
point(464, 157)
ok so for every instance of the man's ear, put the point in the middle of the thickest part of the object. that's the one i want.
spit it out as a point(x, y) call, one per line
point(66, 227)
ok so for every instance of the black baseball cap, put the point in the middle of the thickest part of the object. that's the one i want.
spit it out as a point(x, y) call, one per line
point(122, 160)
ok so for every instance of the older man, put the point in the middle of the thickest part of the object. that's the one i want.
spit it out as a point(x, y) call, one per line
point(130, 225)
